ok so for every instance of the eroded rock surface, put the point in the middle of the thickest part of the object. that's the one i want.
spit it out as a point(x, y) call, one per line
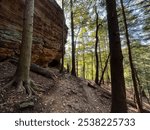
point(47, 35)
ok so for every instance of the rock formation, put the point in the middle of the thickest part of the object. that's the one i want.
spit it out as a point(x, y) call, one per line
point(47, 35)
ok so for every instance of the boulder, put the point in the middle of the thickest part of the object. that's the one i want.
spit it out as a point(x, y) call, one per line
point(47, 34)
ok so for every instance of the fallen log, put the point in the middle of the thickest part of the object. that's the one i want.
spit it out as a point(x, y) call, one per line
point(92, 84)
point(37, 69)
point(42, 71)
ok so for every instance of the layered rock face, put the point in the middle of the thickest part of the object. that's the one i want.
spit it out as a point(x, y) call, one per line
point(47, 34)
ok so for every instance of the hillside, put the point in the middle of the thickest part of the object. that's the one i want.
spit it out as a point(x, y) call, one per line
point(63, 93)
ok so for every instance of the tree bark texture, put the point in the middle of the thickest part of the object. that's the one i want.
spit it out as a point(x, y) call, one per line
point(96, 47)
point(23, 68)
point(73, 71)
point(133, 73)
point(116, 61)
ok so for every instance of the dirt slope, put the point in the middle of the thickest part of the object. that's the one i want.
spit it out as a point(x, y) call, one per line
point(63, 94)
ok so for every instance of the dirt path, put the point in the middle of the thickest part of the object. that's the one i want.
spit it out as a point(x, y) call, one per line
point(92, 98)
point(71, 94)
point(65, 94)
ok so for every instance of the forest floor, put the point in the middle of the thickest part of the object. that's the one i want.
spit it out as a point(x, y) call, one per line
point(64, 93)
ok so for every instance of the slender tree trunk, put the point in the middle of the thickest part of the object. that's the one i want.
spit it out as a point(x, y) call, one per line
point(116, 60)
point(68, 67)
point(83, 60)
point(141, 90)
point(63, 41)
point(73, 71)
point(96, 46)
point(92, 58)
point(77, 64)
point(148, 90)
point(101, 65)
point(140, 109)
point(103, 71)
point(108, 77)
point(68, 63)
point(106, 50)
point(84, 75)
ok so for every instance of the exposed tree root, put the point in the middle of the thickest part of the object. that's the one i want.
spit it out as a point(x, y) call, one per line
point(28, 87)
point(9, 83)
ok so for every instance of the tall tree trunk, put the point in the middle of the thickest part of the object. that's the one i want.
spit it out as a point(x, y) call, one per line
point(73, 71)
point(23, 69)
point(68, 67)
point(101, 65)
point(103, 71)
point(143, 92)
point(84, 76)
point(131, 61)
point(108, 77)
point(63, 41)
point(83, 60)
point(106, 50)
point(141, 89)
point(22, 79)
point(77, 63)
point(148, 90)
point(26, 46)
point(116, 60)
point(96, 46)
point(92, 65)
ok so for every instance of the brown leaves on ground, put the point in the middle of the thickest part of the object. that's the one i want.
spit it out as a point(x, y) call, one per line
point(64, 94)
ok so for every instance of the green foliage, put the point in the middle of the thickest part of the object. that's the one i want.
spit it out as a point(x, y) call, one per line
point(141, 60)
point(85, 27)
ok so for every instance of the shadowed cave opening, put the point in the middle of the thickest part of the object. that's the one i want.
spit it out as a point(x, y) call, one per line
point(54, 63)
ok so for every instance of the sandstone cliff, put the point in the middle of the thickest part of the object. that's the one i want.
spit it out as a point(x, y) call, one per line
point(47, 35)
